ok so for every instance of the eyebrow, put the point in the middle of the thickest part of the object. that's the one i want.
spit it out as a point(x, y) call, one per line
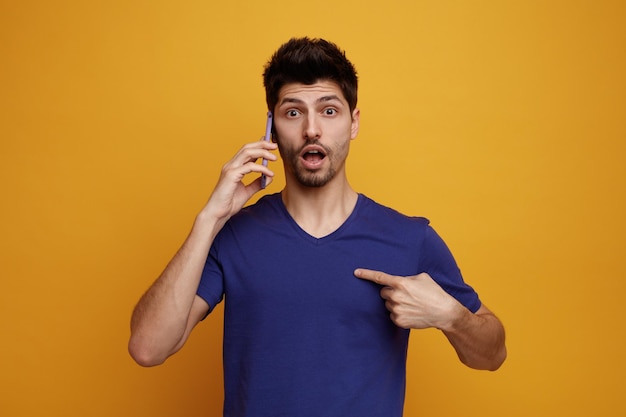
point(322, 99)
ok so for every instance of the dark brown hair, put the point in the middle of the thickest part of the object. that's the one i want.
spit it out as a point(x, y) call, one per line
point(306, 61)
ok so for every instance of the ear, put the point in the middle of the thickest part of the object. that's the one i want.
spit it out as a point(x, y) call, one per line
point(354, 131)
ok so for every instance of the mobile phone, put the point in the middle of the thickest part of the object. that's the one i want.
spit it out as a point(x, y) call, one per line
point(268, 136)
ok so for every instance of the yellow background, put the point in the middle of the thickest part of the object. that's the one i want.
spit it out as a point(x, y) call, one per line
point(501, 121)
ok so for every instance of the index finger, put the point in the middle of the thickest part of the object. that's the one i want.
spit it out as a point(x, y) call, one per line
point(378, 277)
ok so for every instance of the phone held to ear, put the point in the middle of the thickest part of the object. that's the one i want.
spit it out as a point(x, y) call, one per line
point(268, 136)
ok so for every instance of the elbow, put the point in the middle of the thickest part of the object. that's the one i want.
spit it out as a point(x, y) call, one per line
point(498, 360)
point(490, 363)
point(143, 355)
point(493, 365)
point(499, 356)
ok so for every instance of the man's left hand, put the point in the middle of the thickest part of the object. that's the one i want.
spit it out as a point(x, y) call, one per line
point(415, 302)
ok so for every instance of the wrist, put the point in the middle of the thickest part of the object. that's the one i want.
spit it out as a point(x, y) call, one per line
point(208, 223)
point(458, 319)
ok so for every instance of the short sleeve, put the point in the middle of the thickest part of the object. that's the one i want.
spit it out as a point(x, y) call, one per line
point(211, 287)
point(437, 260)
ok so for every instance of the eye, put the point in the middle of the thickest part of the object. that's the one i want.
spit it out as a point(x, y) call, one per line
point(292, 113)
point(330, 111)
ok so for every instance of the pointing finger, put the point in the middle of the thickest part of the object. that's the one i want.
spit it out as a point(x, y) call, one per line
point(375, 276)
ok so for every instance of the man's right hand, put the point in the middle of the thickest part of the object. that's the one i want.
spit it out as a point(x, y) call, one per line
point(230, 193)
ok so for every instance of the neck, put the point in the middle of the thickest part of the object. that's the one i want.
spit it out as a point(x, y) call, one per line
point(320, 211)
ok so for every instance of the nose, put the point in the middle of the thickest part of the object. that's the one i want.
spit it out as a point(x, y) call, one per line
point(312, 128)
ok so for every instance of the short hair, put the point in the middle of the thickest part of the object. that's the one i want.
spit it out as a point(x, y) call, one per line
point(307, 61)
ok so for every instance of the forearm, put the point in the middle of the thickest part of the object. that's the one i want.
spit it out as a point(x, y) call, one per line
point(168, 311)
point(160, 321)
point(478, 339)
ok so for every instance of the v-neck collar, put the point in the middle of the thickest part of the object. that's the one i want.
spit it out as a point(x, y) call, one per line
point(319, 240)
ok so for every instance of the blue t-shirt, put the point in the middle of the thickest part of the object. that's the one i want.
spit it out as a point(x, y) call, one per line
point(302, 335)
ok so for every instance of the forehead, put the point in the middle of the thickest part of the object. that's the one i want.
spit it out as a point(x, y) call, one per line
point(310, 92)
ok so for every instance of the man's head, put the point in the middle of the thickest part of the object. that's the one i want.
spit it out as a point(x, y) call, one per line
point(305, 61)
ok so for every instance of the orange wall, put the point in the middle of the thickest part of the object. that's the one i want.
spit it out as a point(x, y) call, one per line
point(503, 122)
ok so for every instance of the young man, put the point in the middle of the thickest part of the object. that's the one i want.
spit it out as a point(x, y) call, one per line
point(321, 284)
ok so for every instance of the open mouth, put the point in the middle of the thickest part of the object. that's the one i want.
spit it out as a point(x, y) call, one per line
point(313, 156)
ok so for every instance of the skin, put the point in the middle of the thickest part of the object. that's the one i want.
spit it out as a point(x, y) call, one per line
point(308, 118)
point(305, 114)
point(316, 118)
point(418, 302)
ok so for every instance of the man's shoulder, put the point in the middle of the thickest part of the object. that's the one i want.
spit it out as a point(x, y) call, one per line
point(267, 209)
point(258, 219)
point(269, 203)
point(372, 208)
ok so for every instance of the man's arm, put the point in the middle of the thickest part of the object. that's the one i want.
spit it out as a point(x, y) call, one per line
point(165, 315)
point(478, 338)
point(418, 302)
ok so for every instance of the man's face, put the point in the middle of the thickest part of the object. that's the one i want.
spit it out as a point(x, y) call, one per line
point(314, 127)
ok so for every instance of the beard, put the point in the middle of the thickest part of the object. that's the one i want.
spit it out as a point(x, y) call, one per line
point(306, 177)
point(314, 179)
